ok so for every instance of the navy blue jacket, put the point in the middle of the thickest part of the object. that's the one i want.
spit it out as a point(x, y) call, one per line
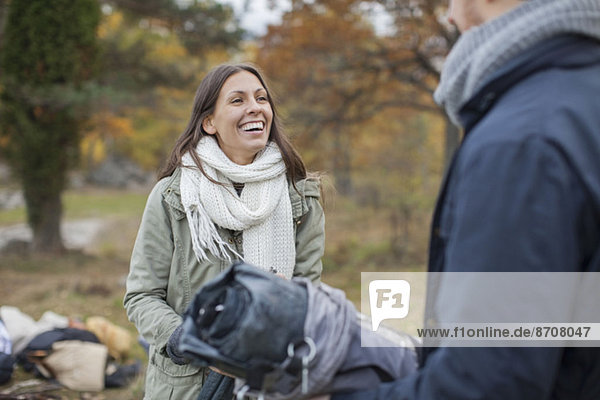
point(522, 194)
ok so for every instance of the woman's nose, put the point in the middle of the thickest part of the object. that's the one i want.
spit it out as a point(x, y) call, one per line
point(253, 107)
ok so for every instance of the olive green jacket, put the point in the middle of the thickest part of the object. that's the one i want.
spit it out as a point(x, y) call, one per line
point(165, 274)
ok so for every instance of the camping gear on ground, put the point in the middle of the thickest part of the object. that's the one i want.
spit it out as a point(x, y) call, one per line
point(288, 339)
point(74, 357)
point(118, 376)
point(117, 339)
point(22, 328)
point(77, 359)
point(7, 362)
point(7, 366)
point(76, 364)
point(5, 342)
point(41, 345)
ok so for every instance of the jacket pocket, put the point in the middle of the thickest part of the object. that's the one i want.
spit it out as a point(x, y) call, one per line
point(167, 380)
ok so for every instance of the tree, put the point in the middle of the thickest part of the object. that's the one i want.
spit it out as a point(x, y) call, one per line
point(424, 38)
point(328, 89)
point(3, 9)
point(154, 54)
point(404, 61)
point(49, 54)
point(202, 25)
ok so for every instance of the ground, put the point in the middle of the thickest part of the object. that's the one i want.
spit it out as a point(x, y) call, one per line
point(83, 283)
point(100, 228)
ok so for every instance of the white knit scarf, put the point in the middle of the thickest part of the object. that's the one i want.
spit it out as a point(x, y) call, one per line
point(481, 50)
point(263, 211)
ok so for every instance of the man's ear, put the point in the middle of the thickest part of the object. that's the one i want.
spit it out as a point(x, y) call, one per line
point(208, 126)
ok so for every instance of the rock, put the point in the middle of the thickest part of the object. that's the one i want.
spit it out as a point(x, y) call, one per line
point(119, 172)
point(11, 199)
point(77, 235)
point(16, 247)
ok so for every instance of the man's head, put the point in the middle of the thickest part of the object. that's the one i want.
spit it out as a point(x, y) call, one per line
point(466, 14)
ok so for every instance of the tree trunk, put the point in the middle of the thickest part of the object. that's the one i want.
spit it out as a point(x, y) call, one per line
point(3, 13)
point(47, 237)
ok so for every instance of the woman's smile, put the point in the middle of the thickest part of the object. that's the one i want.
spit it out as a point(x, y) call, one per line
point(242, 118)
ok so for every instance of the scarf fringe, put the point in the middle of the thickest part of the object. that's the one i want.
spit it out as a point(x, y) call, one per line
point(205, 236)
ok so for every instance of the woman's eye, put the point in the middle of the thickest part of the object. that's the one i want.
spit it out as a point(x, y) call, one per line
point(237, 100)
point(261, 98)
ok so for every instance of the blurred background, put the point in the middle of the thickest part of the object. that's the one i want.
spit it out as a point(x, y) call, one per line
point(93, 94)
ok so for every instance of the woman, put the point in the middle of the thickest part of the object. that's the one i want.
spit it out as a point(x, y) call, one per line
point(233, 188)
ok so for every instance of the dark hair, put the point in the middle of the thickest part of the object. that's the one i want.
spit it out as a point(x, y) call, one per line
point(204, 105)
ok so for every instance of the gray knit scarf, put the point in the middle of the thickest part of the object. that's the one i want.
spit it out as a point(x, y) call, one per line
point(481, 50)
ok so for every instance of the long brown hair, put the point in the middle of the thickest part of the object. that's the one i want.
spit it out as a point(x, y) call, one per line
point(204, 105)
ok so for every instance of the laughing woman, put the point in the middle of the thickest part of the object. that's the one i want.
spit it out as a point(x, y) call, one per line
point(233, 188)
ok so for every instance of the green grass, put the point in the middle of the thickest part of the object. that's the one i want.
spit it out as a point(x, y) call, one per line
point(94, 204)
point(89, 204)
point(11, 217)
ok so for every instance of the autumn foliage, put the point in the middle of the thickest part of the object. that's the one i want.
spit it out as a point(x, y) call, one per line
point(355, 94)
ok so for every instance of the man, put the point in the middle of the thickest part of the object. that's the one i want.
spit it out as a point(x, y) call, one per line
point(523, 191)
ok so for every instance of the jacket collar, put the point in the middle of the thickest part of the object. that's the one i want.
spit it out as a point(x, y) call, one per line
point(567, 51)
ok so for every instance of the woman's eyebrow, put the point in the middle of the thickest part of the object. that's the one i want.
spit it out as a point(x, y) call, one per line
point(242, 92)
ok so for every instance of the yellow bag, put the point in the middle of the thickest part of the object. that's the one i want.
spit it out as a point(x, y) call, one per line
point(117, 339)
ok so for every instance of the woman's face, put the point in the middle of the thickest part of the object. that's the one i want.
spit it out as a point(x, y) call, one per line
point(242, 118)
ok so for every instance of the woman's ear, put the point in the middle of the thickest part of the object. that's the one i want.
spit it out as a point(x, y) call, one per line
point(208, 126)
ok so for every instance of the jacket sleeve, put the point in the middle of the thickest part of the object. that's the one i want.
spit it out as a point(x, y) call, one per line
point(310, 235)
point(146, 292)
point(516, 207)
